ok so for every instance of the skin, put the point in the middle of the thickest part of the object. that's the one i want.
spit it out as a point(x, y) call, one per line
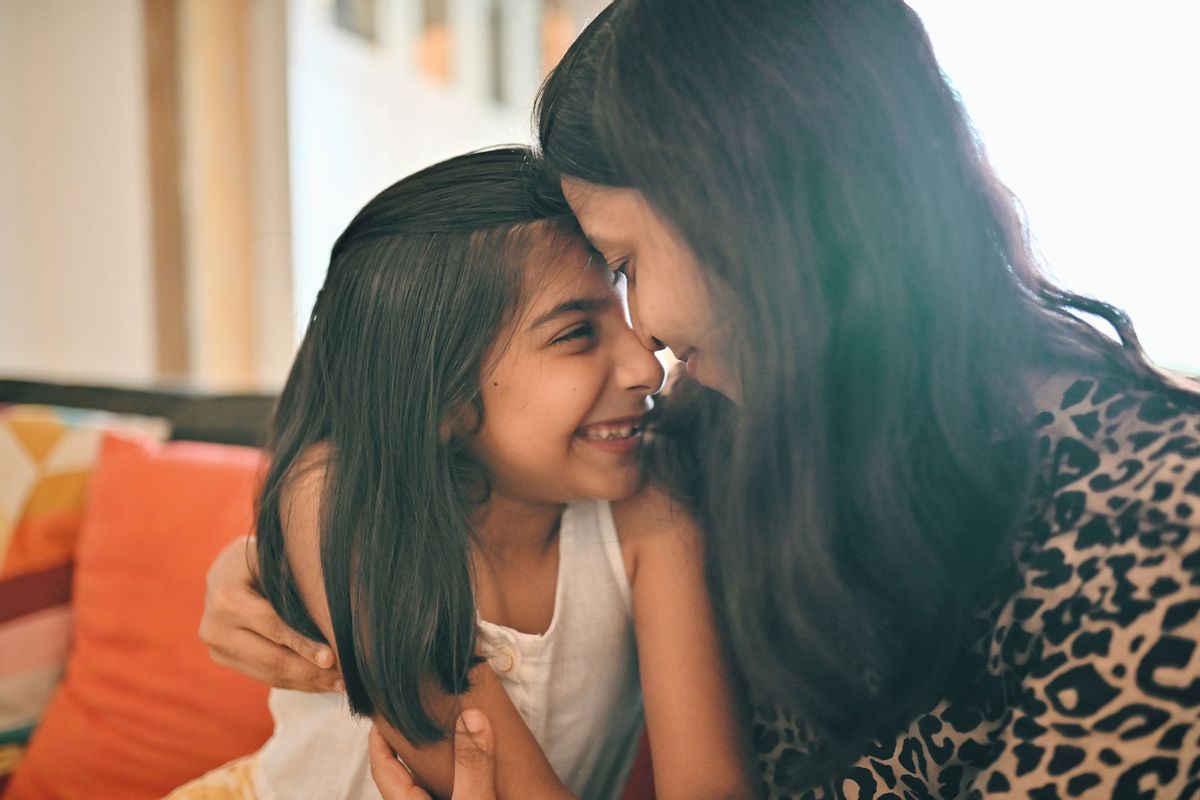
point(671, 302)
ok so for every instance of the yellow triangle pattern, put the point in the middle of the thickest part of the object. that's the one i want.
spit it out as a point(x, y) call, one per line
point(55, 494)
point(39, 436)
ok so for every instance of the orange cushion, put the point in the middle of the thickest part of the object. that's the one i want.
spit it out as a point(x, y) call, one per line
point(46, 457)
point(142, 708)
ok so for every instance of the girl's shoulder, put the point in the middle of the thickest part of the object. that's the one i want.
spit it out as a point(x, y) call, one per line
point(651, 512)
point(308, 471)
point(652, 518)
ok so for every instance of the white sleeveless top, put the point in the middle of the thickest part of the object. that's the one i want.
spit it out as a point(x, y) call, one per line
point(576, 686)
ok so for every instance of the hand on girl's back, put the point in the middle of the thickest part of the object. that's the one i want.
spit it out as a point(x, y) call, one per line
point(243, 631)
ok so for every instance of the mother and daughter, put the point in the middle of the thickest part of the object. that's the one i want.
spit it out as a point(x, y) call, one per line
point(946, 536)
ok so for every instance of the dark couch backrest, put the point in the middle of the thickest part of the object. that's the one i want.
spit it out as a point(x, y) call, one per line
point(228, 419)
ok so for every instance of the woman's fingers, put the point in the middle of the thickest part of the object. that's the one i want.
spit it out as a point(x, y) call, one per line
point(474, 765)
point(272, 664)
point(259, 617)
point(392, 778)
point(243, 631)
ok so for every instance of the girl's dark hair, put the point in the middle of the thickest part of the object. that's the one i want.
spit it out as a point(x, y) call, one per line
point(860, 505)
point(420, 286)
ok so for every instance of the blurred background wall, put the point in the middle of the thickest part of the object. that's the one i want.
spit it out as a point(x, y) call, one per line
point(174, 172)
point(76, 296)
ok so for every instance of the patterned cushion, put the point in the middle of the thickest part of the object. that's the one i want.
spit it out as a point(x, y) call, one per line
point(46, 457)
point(143, 708)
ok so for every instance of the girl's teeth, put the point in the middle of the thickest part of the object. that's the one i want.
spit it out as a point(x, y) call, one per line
point(604, 432)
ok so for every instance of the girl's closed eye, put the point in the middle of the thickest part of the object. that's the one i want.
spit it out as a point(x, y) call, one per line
point(584, 332)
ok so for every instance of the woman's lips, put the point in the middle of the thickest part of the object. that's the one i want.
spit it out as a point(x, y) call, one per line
point(690, 358)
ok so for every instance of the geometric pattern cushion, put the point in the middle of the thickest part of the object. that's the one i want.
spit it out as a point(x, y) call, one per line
point(46, 458)
point(142, 707)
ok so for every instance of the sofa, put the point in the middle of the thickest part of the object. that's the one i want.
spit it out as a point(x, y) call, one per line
point(113, 502)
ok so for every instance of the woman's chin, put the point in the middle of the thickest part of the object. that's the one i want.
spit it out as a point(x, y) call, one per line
point(706, 371)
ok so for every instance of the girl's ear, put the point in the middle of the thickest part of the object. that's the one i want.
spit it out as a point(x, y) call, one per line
point(461, 421)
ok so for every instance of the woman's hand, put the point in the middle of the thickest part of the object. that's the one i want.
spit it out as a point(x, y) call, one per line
point(474, 763)
point(243, 631)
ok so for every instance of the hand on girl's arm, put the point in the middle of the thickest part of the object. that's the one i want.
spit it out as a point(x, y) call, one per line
point(693, 728)
point(474, 764)
point(518, 766)
point(243, 631)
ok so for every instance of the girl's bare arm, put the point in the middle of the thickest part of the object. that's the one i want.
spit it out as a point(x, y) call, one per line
point(693, 728)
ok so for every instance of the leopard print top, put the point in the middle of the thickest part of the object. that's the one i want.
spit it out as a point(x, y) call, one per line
point(1091, 670)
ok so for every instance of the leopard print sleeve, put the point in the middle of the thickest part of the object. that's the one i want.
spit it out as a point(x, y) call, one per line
point(1105, 629)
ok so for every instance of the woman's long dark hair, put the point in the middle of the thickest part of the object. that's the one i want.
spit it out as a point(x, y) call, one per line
point(420, 286)
point(815, 159)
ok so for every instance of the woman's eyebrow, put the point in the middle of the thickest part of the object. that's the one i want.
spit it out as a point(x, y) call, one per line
point(586, 305)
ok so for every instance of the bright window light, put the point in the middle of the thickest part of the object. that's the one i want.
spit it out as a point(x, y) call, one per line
point(1090, 112)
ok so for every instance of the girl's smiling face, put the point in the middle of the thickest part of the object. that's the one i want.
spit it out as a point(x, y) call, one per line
point(670, 302)
point(567, 387)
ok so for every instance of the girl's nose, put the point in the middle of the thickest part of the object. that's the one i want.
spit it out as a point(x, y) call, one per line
point(638, 368)
point(648, 341)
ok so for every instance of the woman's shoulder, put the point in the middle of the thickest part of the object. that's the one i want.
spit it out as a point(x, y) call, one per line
point(1117, 519)
point(1105, 617)
point(1122, 452)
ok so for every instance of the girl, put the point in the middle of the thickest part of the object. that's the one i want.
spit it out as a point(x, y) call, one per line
point(467, 381)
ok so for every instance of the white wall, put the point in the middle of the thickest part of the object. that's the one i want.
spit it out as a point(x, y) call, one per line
point(362, 116)
point(75, 266)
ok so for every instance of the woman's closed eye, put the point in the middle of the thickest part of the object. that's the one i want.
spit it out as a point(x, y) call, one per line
point(620, 271)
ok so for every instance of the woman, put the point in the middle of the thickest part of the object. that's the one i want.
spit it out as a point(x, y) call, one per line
point(951, 528)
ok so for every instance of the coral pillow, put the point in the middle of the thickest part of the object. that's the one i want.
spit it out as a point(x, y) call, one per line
point(142, 708)
point(46, 458)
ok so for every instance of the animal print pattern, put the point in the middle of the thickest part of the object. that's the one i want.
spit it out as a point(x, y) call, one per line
point(1089, 672)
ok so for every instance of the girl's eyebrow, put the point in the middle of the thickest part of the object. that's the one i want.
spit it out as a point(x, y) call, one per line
point(586, 305)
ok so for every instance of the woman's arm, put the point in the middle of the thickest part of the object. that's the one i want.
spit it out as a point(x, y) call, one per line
point(243, 631)
point(694, 739)
point(521, 769)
